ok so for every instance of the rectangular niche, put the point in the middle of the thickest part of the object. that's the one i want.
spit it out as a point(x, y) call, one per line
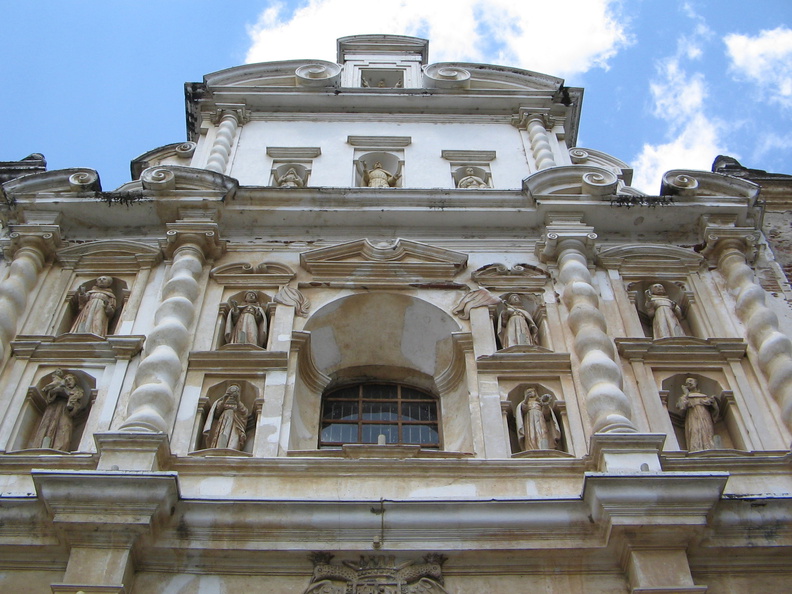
point(291, 166)
point(470, 170)
point(380, 78)
point(388, 152)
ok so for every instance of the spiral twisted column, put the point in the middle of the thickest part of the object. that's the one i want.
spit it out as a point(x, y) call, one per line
point(221, 148)
point(730, 250)
point(29, 247)
point(540, 143)
point(600, 375)
point(153, 401)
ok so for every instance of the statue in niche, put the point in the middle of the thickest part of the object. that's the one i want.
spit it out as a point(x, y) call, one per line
point(290, 179)
point(700, 414)
point(97, 307)
point(64, 400)
point(537, 424)
point(247, 323)
point(471, 181)
point(226, 423)
point(664, 311)
point(515, 324)
point(378, 176)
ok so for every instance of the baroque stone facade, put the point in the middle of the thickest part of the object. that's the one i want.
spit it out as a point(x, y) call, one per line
point(381, 326)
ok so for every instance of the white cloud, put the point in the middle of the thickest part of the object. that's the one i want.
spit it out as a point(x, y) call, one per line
point(695, 146)
point(765, 60)
point(502, 31)
point(678, 98)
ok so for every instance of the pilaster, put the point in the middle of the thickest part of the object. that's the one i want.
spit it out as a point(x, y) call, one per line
point(29, 247)
point(569, 244)
point(190, 242)
point(731, 249)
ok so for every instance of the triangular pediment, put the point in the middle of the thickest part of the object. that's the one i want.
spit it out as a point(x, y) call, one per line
point(117, 255)
point(388, 262)
point(656, 261)
point(244, 274)
point(519, 276)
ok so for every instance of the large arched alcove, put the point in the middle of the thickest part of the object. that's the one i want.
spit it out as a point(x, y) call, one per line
point(381, 337)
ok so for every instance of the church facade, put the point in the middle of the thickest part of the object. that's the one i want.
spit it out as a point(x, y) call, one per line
point(380, 325)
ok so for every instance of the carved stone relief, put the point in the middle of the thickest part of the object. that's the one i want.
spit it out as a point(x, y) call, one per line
point(97, 306)
point(537, 424)
point(246, 323)
point(64, 399)
point(226, 423)
point(376, 575)
point(661, 307)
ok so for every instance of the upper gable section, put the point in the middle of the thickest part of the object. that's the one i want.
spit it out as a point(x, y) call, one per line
point(381, 74)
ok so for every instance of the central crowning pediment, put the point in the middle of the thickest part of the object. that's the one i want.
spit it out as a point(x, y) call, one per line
point(385, 263)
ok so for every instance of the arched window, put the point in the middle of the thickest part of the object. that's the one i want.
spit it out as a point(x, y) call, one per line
point(363, 412)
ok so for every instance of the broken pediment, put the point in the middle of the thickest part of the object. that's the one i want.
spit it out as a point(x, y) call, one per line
point(687, 185)
point(288, 73)
point(655, 261)
point(183, 181)
point(178, 153)
point(60, 181)
point(465, 75)
point(519, 276)
point(396, 262)
point(117, 255)
point(258, 275)
point(579, 181)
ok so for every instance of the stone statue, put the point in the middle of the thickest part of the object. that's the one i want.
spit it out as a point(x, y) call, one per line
point(515, 324)
point(473, 299)
point(290, 179)
point(64, 400)
point(246, 324)
point(226, 423)
point(537, 425)
point(700, 414)
point(97, 307)
point(471, 181)
point(378, 176)
point(664, 311)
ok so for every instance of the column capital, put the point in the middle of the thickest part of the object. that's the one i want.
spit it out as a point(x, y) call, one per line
point(719, 233)
point(560, 231)
point(203, 234)
point(521, 119)
point(238, 111)
point(45, 238)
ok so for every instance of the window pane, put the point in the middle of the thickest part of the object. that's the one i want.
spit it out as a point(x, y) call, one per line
point(419, 411)
point(350, 393)
point(410, 394)
point(341, 410)
point(339, 433)
point(370, 433)
point(420, 434)
point(380, 411)
point(379, 391)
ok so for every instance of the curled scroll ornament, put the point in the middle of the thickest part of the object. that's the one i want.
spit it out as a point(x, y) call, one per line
point(446, 76)
point(83, 181)
point(186, 150)
point(599, 183)
point(318, 74)
point(158, 180)
point(684, 185)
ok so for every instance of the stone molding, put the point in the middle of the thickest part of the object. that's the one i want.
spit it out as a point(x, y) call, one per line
point(379, 142)
point(120, 256)
point(385, 263)
point(68, 347)
point(642, 261)
point(293, 152)
point(265, 274)
point(500, 277)
point(575, 182)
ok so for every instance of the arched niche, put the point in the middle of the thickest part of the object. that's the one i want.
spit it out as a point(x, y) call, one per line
point(224, 324)
point(674, 291)
point(248, 396)
point(77, 298)
point(558, 407)
point(381, 337)
point(35, 411)
point(726, 418)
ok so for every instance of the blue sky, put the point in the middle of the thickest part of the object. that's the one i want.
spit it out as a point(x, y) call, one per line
point(668, 83)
